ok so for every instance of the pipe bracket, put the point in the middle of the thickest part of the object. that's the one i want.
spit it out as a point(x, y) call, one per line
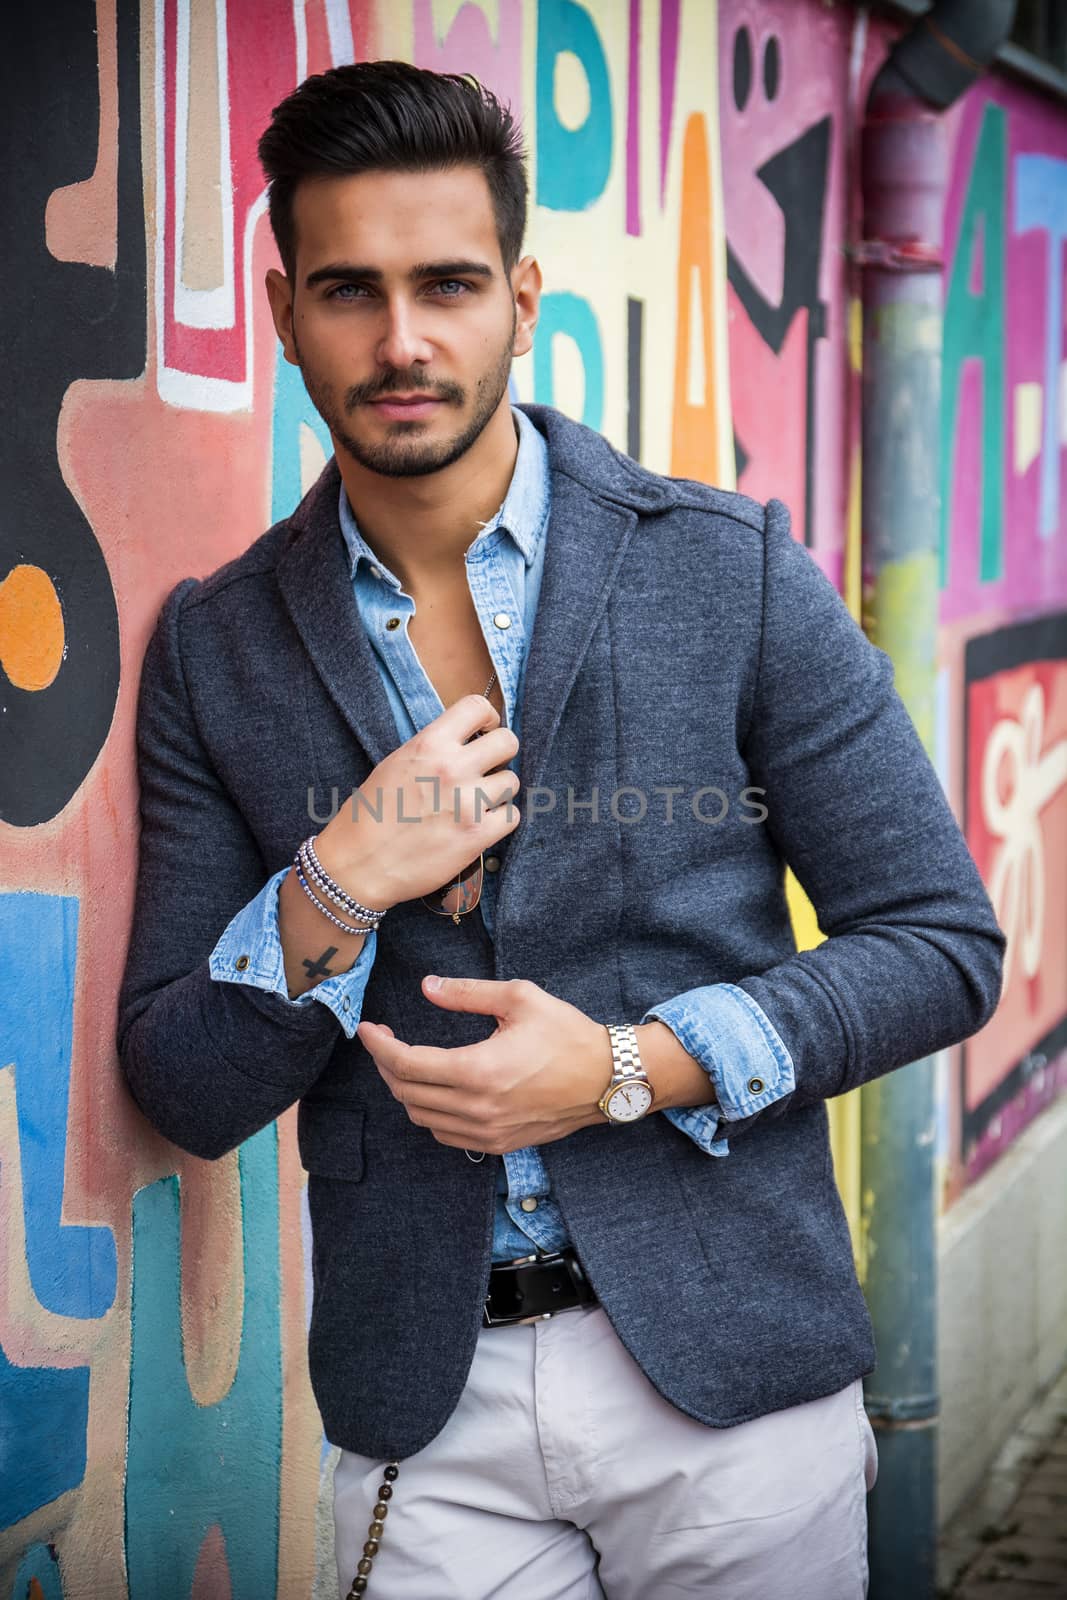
point(904, 255)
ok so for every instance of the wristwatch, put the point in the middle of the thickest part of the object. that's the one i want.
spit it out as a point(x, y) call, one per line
point(629, 1095)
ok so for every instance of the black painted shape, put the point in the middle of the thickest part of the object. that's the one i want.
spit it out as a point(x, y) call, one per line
point(61, 321)
point(742, 67)
point(635, 330)
point(796, 177)
point(772, 68)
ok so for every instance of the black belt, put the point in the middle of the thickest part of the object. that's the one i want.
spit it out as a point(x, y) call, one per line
point(535, 1286)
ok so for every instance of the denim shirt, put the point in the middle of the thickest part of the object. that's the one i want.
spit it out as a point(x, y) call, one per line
point(718, 1024)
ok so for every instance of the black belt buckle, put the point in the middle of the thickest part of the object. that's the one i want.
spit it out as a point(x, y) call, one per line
point(534, 1287)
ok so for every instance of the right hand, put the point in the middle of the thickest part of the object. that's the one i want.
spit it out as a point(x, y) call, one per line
point(383, 862)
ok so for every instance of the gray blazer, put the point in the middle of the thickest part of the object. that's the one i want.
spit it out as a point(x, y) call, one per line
point(683, 637)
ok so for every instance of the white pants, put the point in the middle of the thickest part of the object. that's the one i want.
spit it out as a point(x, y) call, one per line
point(564, 1475)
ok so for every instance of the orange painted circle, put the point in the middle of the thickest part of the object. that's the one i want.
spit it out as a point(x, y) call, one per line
point(31, 628)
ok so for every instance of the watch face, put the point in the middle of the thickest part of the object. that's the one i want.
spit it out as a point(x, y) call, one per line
point(629, 1101)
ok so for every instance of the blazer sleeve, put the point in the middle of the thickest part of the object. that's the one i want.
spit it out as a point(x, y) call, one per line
point(208, 1063)
point(912, 961)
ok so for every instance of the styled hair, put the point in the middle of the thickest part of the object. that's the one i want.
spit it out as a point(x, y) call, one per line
point(388, 116)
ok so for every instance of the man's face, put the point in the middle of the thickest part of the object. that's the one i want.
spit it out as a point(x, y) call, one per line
point(401, 317)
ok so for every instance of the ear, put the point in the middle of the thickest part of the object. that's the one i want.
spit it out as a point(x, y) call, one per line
point(526, 289)
point(280, 295)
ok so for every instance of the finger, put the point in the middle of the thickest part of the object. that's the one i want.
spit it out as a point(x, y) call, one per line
point(490, 997)
point(494, 750)
point(413, 1063)
point(470, 715)
point(426, 1104)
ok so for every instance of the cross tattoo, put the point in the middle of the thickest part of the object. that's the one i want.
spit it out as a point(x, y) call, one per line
point(318, 968)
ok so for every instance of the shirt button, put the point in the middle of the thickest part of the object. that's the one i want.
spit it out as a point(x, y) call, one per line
point(529, 1204)
point(502, 619)
point(346, 1004)
point(394, 622)
point(492, 863)
point(241, 963)
point(755, 1085)
point(375, 572)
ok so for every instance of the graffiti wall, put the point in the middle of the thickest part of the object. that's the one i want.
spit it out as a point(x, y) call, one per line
point(692, 185)
point(159, 1436)
point(1004, 592)
point(792, 85)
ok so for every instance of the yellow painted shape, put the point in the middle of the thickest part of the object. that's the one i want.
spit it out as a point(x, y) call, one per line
point(855, 333)
point(853, 584)
point(844, 1110)
point(571, 91)
point(1029, 407)
point(901, 619)
point(32, 635)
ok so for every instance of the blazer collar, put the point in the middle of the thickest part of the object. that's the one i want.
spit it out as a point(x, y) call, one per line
point(596, 494)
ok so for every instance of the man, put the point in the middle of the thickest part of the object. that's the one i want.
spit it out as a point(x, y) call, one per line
point(585, 1315)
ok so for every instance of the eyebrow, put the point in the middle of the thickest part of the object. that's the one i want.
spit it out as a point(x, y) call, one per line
point(347, 272)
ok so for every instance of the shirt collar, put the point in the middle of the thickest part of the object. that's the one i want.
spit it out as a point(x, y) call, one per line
point(523, 514)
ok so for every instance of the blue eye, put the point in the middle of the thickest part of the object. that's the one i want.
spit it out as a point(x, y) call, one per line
point(452, 283)
point(339, 291)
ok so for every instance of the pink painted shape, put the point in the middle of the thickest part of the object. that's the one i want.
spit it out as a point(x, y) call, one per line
point(81, 220)
point(814, 44)
point(768, 395)
point(468, 46)
point(633, 124)
point(1035, 568)
point(261, 50)
point(669, 20)
point(211, 1579)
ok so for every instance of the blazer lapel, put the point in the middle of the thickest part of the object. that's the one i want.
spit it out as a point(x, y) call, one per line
point(587, 535)
point(316, 585)
point(586, 540)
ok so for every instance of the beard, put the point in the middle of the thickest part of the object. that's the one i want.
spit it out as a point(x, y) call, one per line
point(404, 454)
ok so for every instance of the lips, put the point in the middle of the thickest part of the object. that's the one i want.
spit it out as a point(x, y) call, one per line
point(401, 408)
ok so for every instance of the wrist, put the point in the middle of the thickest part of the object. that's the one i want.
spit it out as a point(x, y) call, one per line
point(677, 1077)
point(355, 877)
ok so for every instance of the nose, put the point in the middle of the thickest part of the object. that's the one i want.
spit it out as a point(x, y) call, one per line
point(402, 345)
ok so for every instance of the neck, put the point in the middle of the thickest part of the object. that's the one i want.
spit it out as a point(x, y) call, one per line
point(421, 527)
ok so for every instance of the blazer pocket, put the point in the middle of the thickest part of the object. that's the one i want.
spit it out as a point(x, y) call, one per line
point(329, 1135)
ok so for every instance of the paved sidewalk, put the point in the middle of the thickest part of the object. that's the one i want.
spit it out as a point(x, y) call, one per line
point(1010, 1541)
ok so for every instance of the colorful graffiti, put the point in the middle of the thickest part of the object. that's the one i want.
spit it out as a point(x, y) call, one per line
point(146, 1294)
point(1004, 414)
point(785, 190)
point(1003, 572)
point(1016, 825)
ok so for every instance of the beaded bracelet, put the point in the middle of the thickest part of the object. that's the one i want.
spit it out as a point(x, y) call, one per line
point(374, 1532)
point(345, 927)
point(317, 874)
point(315, 870)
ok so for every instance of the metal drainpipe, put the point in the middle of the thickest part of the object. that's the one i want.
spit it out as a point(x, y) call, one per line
point(904, 174)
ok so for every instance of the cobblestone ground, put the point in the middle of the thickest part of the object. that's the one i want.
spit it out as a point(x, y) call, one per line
point(1010, 1542)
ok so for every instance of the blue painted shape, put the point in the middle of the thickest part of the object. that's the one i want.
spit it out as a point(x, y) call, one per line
point(1041, 202)
point(573, 164)
point(570, 314)
point(44, 1414)
point(73, 1270)
point(292, 406)
point(190, 1466)
point(39, 1563)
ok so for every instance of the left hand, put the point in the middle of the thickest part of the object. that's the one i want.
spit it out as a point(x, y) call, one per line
point(536, 1079)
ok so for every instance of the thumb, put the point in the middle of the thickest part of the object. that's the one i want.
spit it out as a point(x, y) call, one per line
point(485, 995)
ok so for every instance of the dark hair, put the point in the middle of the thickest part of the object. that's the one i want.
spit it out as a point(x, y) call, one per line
point(388, 116)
